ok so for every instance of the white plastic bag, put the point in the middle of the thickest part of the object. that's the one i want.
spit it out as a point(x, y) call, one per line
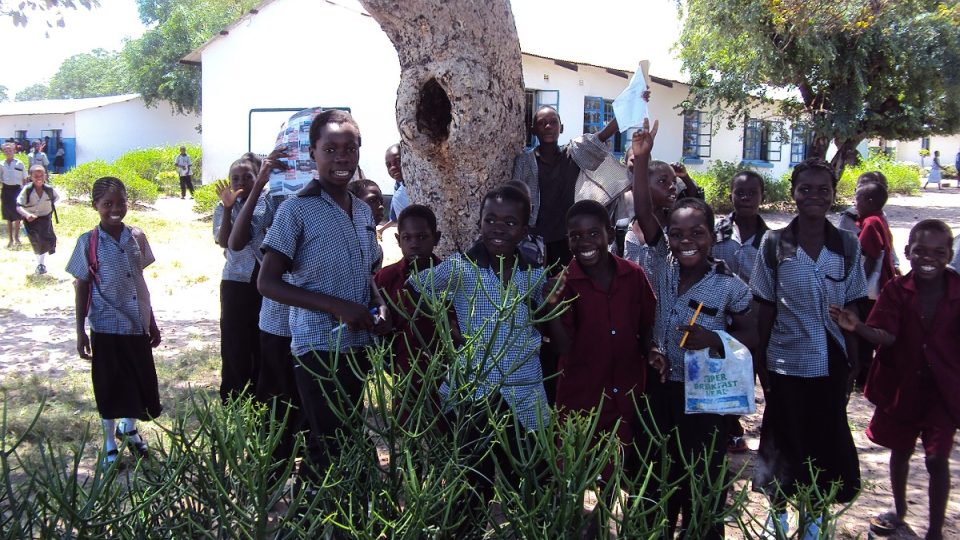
point(719, 385)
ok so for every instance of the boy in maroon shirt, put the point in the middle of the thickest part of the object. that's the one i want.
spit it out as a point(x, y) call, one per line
point(914, 379)
point(607, 328)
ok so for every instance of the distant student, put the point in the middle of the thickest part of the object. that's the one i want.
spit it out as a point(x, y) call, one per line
point(936, 172)
point(401, 199)
point(738, 237)
point(325, 239)
point(685, 278)
point(604, 335)
point(185, 170)
point(13, 177)
point(849, 220)
point(915, 377)
point(369, 192)
point(805, 361)
point(38, 156)
point(663, 193)
point(507, 377)
point(108, 265)
point(58, 160)
point(37, 204)
point(876, 247)
point(240, 300)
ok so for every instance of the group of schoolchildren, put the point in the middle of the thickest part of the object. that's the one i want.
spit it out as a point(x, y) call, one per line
point(306, 272)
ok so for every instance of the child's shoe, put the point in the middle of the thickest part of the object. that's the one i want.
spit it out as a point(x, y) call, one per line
point(138, 449)
point(109, 459)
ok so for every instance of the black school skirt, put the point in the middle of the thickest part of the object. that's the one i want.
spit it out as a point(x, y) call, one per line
point(9, 195)
point(805, 421)
point(40, 232)
point(124, 377)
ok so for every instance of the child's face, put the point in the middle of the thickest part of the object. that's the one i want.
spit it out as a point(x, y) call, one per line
point(502, 226)
point(38, 176)
point(417, 241)
point(628, 158)
point(929, 254)
point(690, 238)
point(746, 194)
point(112, 207)
point(337, 154)
point(392, 161)
point(242, 177)
point(863, 202)
point(374, 199)
point(588, 238)
point(663, 187)
point(546, 126)
point(813, 194)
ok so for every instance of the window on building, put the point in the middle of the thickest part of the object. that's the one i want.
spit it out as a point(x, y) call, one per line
point(762, 140)
point(597, 113)
point(697, 135)
point(800, 138)
point(532, 101)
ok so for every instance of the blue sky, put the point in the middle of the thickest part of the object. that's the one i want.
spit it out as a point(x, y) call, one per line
point(614, 33)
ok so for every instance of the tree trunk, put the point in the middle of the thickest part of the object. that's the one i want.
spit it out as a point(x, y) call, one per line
point(846, 154)
point(459, 104)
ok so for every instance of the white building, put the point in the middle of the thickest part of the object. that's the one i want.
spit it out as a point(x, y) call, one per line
point(351, 63)
point(96, 128)
point(947, 145)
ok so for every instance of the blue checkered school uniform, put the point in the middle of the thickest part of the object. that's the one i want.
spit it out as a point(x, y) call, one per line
point(507, 356)
point(802, 290)
point(332, 254)
point(120, 302)
point(274, 316)
point(739, 254)
point(239, 265)
point(722, 294)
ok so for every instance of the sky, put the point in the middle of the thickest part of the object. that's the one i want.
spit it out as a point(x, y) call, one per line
point(612, 33)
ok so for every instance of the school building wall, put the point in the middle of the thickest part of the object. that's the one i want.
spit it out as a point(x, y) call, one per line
point(948, 145)
point(39, 125)
point(109, 131)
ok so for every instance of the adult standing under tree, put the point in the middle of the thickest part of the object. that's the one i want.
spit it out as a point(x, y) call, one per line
point(13, 176)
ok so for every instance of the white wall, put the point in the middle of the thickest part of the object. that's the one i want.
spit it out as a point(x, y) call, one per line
point(330, 57)
point(948, 145)
point(109, 131)
point(35, 123)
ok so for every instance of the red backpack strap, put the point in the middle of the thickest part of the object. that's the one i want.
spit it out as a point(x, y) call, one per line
point(93, 265)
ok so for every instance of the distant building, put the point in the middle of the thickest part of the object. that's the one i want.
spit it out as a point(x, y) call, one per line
point(948, 145)
point(96, 128)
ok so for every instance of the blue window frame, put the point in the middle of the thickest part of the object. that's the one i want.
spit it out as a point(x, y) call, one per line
point(800, 137)
point(697, 135)
point(597, 112)
point(762, 140)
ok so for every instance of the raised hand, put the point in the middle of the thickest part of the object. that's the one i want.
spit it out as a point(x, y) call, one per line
point(228, 196)
point(643, 138)
point(845, 319)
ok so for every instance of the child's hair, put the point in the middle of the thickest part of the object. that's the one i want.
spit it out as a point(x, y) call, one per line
point(872, 177)
point(37, 167)
point(749, 175)
point(418, 211)
point(933, 225)
point(540, 110)
point(507, 193)
point(657, 164)
point(253, 159)
point(695, 204)
point(104, 184)
point(877, 192)
point(519, 184)
point(357, 187)
point(813, 164)
point(330, 116)
point(587, 207)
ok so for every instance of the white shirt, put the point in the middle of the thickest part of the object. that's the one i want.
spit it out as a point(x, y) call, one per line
point(12, 172)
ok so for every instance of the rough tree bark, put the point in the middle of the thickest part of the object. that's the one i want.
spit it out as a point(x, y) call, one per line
point(459, 104)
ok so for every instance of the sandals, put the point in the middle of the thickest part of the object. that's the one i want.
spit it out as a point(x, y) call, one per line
point(109, 459)
point(885, 524)
point(737, 445)
point(138, 449)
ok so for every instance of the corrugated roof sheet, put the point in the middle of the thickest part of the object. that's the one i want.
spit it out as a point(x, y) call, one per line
point(60, 106)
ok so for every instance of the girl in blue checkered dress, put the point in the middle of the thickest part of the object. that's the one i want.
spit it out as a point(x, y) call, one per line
point(111, 292)
point(696, 298)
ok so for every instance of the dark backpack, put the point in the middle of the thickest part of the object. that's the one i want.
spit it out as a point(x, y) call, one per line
point(776, 250)
point(50, 194)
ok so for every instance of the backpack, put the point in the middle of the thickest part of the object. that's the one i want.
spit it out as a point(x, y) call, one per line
point(49, 191)
point(775, 250)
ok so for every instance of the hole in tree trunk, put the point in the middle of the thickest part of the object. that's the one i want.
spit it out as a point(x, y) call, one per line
point(434, 111)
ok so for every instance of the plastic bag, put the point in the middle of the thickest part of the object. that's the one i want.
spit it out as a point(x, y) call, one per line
point(719, 385)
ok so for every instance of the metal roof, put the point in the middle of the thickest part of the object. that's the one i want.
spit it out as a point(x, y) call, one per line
point(61, 106)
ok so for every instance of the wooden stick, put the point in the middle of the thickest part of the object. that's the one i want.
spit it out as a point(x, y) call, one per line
point(693, 320)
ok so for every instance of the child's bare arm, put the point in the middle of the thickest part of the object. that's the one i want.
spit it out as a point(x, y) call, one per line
point(270, 284)
point(848, 320)
point(743, 328)
point(240, 235)
point(642, 202)
point(82, 289)
point(766, 313)
point(384, 324)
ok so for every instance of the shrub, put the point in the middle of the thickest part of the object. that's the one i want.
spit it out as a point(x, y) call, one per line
point(205, 199)
point(715, 182)
point(902, 177)
point(157, 165)
point(78, 182)
point(168, 182)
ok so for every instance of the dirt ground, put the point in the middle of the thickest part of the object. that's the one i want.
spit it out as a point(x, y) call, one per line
point(37, 331)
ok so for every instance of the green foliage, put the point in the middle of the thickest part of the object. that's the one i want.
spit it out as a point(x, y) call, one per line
point(78, 182)
point(33, 92)
point(157, 165)
point(4, 93)
point(715, 182)
point(181, 26)
point(205, 198)
point(51, 11)
point(860, 69)
point(93, 74)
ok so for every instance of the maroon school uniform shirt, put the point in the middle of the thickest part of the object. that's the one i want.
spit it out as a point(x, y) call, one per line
point(606, 359)
point(875, 237)
point(924, 360)
point(391, 282)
